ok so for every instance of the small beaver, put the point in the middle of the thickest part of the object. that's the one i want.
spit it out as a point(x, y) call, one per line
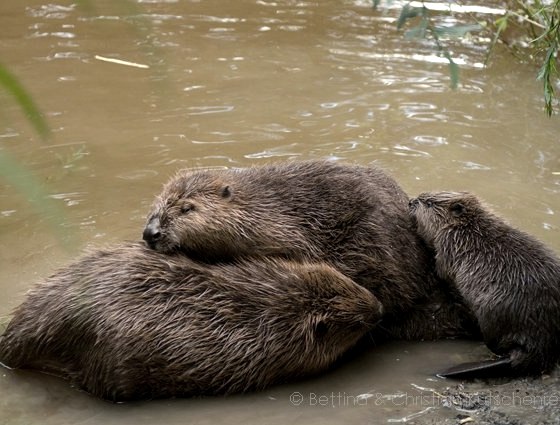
point(355, 218)
point(129, 323)
point(510, 280)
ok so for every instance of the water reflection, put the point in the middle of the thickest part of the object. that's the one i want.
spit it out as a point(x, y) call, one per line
point(358, 392)
point(50, 11)
point(458, 8)
point(430, 140)
point(202, 110)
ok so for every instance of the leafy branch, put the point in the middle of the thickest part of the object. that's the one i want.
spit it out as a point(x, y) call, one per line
point(538, 19)
point(427, 29)
point(550, 41)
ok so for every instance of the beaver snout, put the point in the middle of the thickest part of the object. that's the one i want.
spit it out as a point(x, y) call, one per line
point(413, 203)
point(371, 315)
point(152, 232)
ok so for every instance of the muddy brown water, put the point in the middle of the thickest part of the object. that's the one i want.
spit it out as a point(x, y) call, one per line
point(231, 84)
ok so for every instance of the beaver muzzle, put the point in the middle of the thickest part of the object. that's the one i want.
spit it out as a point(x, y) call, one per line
point(152, 232)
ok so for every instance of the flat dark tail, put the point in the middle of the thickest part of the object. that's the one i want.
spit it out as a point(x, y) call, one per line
point(492, 368)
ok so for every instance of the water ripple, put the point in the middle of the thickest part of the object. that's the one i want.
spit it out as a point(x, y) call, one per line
point(469, 165)
point(430, 140)
point(70, 198)
point(137, 175)
point(59, 34)
point(50, 11)
point(203, 110)
point(290, 150)
point(402, 150)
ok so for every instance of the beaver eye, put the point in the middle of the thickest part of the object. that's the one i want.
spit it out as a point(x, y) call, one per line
point(186, 208)
point(429, 203)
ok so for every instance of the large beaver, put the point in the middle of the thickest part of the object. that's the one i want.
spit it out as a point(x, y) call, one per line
point(510, 280)
point(353, 217)
point(130, 323)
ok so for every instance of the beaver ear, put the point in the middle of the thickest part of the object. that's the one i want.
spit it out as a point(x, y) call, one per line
point(321, 329)
point(226, 192)
point(457, 209)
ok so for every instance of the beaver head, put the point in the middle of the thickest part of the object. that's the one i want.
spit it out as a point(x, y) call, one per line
point(222, 213)
point(330, 313)
point(438, 213)
point(189, 202)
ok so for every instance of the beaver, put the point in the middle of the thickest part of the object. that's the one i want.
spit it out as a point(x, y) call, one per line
point(353, 217)
point(129, 323)
point(509, 279)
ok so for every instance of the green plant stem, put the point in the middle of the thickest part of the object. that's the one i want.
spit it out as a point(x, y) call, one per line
point(25, 101)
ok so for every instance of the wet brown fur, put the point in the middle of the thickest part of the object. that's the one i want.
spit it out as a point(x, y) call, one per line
point(130, 323)
point(510, 280)
point(353, 217)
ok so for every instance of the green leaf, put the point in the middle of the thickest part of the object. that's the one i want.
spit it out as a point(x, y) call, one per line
point(456, 31)
point(454, 73)
point(418, 31)
point(25, 101)
point(502, 23)
point(409, 12)
point(453, 70)
point(547, 70)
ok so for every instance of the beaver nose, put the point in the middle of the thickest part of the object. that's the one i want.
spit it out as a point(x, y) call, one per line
point(413, 203)
point(152, 232)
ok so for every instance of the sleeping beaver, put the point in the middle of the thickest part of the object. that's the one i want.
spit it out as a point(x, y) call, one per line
point(354, 218)
point(130, 323)
point(510, 280)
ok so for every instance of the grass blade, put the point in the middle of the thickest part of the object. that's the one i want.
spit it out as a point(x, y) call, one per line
point(14, 87)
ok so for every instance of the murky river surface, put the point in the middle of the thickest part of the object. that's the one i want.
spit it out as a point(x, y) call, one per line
point(231, 84)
